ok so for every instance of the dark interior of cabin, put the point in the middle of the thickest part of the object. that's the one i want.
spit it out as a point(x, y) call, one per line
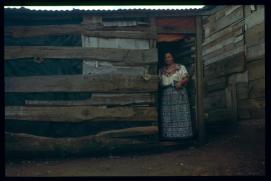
point(184, 51)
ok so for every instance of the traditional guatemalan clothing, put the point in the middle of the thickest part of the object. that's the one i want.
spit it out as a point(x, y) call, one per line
point(175, 110)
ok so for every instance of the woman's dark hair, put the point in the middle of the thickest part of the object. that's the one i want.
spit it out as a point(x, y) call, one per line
point(172, 53)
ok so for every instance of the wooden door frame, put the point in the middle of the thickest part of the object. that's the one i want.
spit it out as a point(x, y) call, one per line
point(200, 118)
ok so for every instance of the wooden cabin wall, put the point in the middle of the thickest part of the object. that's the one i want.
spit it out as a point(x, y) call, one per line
point(118, 101)
point(234, 65)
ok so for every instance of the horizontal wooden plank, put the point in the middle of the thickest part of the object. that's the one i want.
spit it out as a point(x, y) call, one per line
point(256, 103)
point(105, 54)
point(80, 113)
point(232, 64)
point(174, 30)
point(32, 31)
point(224, 42)
point(226, 20)
point(130, 132)
point(218, 115)
point(255, 35)
point(23, 145)
point(215, 84)
point(255, 52)
point(82, 83)
point(121, 34)
point(227, 32)
point(101, 99)
point(215, 100)
point(223, 52)
point(256, 69)
point(251, 114)
point(256, 88)
point(255, 18)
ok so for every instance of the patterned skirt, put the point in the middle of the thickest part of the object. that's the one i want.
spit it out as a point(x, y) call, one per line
point(175, 114)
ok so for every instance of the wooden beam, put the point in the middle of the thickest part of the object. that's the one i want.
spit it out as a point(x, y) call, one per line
point(174, 30)
point(104, 54)
point(129, 132)
point(91, 30)
point(231, 64)
point(81, 83)
point(200, 115)
point(23, 145)
point(80, 113)
point(101, 99)
point(121, 34)
point(45, 30)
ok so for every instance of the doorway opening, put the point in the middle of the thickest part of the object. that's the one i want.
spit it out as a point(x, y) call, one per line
point(184, 50)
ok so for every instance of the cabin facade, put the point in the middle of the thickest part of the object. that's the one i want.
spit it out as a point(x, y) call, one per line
point(86, 81)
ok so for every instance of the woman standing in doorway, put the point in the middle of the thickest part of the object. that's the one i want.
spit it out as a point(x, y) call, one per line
point(175, 110)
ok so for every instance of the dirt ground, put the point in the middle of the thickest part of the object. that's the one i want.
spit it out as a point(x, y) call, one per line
point(240, 152)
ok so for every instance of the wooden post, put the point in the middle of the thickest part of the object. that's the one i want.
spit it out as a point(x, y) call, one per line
point(199, 83)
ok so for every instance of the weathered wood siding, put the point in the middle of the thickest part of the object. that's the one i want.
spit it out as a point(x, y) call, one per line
point(234, 63)
point(115, 64)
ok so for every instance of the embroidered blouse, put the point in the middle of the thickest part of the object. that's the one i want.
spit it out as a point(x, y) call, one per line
point(178, 75)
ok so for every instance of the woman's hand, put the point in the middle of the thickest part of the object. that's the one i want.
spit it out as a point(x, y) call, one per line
point(178, 85)
point(181, 83)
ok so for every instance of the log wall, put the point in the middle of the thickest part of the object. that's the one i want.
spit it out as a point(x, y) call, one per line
point(101, 73)
point(234, 64)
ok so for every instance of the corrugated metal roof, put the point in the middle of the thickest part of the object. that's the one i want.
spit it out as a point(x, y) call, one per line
point(137, 11)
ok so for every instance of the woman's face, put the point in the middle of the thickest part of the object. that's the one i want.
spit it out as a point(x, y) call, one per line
point(169, 59)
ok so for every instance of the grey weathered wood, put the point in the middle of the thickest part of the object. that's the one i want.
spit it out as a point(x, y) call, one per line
point(256, 69)
point(45, 30)
point(231, 102)
point(255, 18)
point(215, 100)
point(227, 20)
point(224, 52)
point(222, 44)
point(232, 64)
point(200, 122)
point(255, 35)
point(23, 144)
point(80, 113)
point(105, 54)
point(129, 132)
point(251, 108)
point(215, 84)
point(256, 88)
point(101, 99)
point(82, 83)
point(121, 34)
point(218, 115)
point(173, 30)
point(255, 52)
point(227, 32)
point(242, 90)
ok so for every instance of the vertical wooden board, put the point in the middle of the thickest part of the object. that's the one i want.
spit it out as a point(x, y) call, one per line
point(231, 101)
point(242, 90)
point(200, 118)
